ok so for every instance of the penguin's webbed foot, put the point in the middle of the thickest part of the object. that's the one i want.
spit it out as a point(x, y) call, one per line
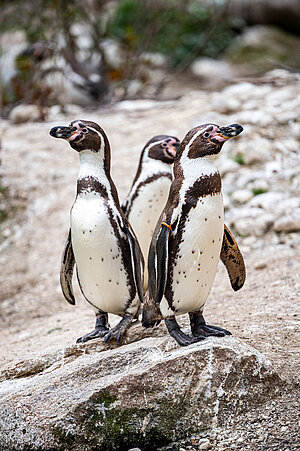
point(101, 329)
point(175, 332)
point(199, 327)
point(96, 333)
point(183, 339)
point(210, 331)
point(120, 329)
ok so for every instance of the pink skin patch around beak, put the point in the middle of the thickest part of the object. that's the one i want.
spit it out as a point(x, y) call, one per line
point(171, 148)
point(172, 151)
point(220, 138)
point(75, 134)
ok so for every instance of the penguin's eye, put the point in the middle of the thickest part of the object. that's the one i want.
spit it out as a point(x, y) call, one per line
point(206, 135)
point(84, 130)
point(164, 144)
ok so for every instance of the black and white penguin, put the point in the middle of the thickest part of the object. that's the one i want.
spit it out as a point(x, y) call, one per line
point(149, 193)
point(190, 238)
point(150, 189)
point(106, 252)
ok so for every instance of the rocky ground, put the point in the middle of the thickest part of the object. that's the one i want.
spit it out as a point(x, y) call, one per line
point(261, 184)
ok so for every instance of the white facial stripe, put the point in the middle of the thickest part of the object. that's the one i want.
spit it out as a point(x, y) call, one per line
point(152, 145)
point(94, 130)
point(99, 134)
point(146, 158)
point(200, 132)
point(76, 124)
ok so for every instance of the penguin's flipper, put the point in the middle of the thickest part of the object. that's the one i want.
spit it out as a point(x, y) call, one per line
point(66, 271)
point(232, 258)
point(137, 262)
point(162, 251)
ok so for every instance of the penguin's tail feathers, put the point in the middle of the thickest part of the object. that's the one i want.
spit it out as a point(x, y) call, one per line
point(151, 312)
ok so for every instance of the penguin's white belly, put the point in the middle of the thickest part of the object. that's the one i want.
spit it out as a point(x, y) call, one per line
point(97, 255)
point(145, 212)
point(197, 260)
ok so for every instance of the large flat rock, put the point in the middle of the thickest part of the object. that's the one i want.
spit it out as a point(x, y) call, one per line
point(145, 393)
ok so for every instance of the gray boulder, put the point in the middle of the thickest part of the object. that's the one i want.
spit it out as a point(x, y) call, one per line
point(143, 394)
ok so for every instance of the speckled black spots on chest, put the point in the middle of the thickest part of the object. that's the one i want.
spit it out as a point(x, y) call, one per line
point(204, 186)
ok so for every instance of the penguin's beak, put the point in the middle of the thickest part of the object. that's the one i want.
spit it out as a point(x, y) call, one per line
point(230, 131)
point(63, 132)
point(176, 146)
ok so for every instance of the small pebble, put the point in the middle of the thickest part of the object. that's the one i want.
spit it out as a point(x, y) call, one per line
point(242, 196)
point(260, 265)
point(6, 233)
point(205, 445)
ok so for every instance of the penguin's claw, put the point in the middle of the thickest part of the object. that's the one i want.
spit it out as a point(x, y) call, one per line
point(114, 333)
point(176, 332)
point(210, 331)
point(97, 333)
point(120, 329)
point(200, 328)
point(217, 329)
point(183, 339)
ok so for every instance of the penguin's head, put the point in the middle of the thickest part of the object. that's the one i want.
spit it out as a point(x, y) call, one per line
point(81, 135)
point(162, 147)
point(207, 140)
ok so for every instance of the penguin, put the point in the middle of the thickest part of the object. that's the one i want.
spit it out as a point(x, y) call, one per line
point(150, 188)
point(101, 242)
point(190, 237)
point(149, 193)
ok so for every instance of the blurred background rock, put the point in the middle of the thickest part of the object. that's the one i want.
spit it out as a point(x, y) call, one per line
point(56, 52)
